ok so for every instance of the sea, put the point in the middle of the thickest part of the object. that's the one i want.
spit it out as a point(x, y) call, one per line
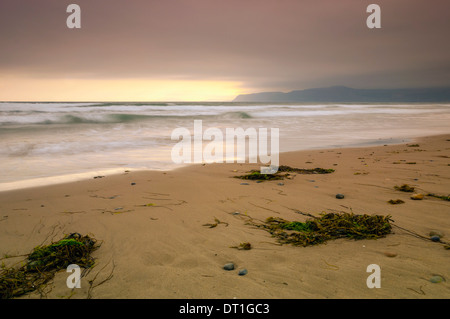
point(48, 142)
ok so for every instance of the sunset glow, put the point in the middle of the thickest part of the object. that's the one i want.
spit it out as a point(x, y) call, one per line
point(68, 89)
point(204, 50)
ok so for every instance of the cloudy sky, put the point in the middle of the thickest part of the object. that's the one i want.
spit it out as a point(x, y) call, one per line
point(150, 50)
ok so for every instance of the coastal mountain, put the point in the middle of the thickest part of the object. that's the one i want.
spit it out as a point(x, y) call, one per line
point(346, 94)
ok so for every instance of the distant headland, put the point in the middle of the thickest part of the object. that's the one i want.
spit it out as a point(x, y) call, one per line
point(342, 94)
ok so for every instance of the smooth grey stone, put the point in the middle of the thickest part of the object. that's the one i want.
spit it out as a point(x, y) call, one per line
point(280, 184)
point(437, 279)
point(435, 238)
point(339, 196)
point(243, 272)
point(244, 183)
point(229, 266)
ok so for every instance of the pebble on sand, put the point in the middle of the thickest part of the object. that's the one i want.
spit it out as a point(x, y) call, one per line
point(390, 254)
point(417, 197)
point(339, 196)
point(244, 183)
point(243, 272)
point(229, 266)
point(437, 279)
point(435, 238)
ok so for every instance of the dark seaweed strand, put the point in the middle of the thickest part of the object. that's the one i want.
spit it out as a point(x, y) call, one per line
point(43, 263)
point(327, 227)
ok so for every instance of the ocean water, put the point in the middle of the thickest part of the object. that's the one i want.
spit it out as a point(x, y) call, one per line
point(42, 143)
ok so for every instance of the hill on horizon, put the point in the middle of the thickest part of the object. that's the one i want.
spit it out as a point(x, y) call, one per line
point(346, 94)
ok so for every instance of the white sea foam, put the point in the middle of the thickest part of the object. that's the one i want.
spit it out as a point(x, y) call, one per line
point(39, 141)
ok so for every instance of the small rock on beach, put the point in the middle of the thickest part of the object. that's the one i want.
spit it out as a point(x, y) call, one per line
point(229, 266)
point(340, 196)
point(417, 197)
point(437, 279)
point(243, 272)
point(435, 238)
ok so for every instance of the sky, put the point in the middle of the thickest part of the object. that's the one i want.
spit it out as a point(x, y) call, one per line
point(213, 50)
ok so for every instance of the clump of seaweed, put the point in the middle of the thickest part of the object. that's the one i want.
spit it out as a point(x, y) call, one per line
point(243, 246)
point(443, 197)
point(257, 175)
point(405, 188)
point(395, 201)
point(327, 227)
point(44, 262)
point(217, 222)
point(318, 170)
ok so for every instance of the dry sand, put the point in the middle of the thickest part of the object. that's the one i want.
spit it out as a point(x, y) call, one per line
point(155, 244)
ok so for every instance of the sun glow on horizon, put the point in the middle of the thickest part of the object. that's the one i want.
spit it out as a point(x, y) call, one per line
point(120, 90)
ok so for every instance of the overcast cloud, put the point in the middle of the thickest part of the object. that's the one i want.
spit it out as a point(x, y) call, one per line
point(264, 44)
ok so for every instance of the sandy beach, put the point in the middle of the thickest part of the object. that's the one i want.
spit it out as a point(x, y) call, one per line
point(156, 242)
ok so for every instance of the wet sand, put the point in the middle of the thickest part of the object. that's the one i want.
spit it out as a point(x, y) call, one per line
point(155, 243)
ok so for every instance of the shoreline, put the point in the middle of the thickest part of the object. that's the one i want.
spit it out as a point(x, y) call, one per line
point(156, 245)
point(83, 176)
